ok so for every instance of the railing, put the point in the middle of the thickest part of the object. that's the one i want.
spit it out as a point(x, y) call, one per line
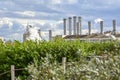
point(12, 71)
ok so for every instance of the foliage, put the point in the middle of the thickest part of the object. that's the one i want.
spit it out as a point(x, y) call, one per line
point(21, 54)
point(98, 68)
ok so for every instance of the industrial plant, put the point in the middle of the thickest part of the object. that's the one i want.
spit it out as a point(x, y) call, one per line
point(72, 30)
point(74, 27)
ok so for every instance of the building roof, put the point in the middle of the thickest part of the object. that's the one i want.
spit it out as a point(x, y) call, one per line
point(95, 35)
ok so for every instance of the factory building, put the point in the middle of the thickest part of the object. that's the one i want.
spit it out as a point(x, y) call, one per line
point(74, 28)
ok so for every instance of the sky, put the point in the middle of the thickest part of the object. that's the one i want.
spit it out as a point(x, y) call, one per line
point(49, 14)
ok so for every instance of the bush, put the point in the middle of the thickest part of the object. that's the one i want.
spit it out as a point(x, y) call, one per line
point(98, 68)
point(21, 54)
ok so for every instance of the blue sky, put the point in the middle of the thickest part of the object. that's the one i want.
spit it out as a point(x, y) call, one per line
point(48, 14)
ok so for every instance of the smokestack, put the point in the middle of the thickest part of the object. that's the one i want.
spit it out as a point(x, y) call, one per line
point(101, 27)
point(79, 19)
point(50, 35)
point(114, 27)
point(64, 25)
point(70, 25)
point(39, 32)
point(74, 24)
point(78, 28)
point(80, 25)
point(89, 27)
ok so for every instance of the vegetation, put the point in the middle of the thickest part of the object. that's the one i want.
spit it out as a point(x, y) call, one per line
point(25, 54)
point(106, 68)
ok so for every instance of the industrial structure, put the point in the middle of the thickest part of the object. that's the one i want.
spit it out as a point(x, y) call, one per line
point(75, 30)
point(74, 27)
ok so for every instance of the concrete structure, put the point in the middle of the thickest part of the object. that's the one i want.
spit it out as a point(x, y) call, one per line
point(50, 35)
point(114, 27)
point(70, 25)
point(80, 19)
point(80, 25)
point(64, 24)
point(78, 28)
point(89, 27)
point(74, 24)
point(101, 27)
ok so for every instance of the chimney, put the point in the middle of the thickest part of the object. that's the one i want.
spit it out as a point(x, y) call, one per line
point(78, 28)
point(80, 25)
point(74, 24)
point(39, 32)
point(70, 25)
point(50, 35)
point(101, 27)
point(114, 27)
point(79, 19)
point(89, 27)
point(64, 25)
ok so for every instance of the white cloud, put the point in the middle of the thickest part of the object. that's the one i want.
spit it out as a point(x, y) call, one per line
point(59, 22)
point(6, 21)
point(56, 1)
point(100, 4)
point(27, 13)
point(72, 1)
point(33, 22)
point(55, 24)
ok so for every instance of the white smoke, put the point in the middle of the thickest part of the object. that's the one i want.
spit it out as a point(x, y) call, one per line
point(32, 33)
point(98, 20)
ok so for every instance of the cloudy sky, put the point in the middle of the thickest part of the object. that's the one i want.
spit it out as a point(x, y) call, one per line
point(48, 15)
